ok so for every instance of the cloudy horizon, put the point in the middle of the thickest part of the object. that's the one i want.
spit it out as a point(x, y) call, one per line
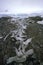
point(20, 6)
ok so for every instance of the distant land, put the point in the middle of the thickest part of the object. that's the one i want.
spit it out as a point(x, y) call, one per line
point(22, 15)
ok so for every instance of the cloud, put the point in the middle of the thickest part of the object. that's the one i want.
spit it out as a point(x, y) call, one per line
point(21, 6)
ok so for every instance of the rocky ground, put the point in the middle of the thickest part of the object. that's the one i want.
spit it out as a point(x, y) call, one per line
point(21, 39)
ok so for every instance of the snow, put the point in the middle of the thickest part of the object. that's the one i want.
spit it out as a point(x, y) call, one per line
point(40, 22)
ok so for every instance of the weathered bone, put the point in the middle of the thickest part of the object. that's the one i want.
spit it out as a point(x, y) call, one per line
point(20, 59)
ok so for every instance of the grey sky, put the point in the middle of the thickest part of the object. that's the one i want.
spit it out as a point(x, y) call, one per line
point(21, 6)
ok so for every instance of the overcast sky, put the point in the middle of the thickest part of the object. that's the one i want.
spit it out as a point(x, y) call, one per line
point(21, 6)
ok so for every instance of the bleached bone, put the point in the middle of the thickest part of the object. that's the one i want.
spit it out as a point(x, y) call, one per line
point(23, 45)
point(20, 59)
point(29, 52)
point(18, 52)
point(7, 36)
point(27, 41)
